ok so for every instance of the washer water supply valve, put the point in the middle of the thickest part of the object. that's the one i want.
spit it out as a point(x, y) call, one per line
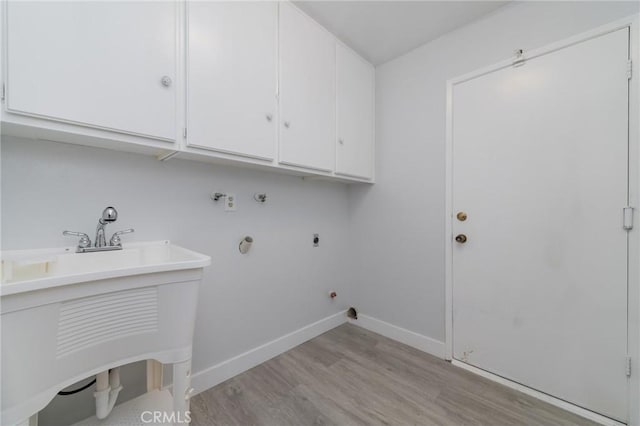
point(261, 198)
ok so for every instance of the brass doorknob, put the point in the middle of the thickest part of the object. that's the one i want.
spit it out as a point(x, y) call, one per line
point(461, 238)
point(462, 216)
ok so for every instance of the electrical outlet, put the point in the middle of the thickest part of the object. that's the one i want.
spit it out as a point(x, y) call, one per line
point(230, 203)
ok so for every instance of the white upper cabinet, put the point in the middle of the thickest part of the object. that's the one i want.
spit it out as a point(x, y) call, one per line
point(232, 77)
point(109, 65)
point(307, 92)
point(256, 82)
point(355, 114)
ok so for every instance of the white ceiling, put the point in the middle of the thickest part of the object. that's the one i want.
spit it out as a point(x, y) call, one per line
point(383, 30)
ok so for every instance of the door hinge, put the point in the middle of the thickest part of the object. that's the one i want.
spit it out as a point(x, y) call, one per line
point(628, 367)
point(627, 218)
point(629, 69)
point(184, 132)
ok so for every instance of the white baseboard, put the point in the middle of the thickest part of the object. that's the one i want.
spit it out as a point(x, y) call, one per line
point(208, 378)
point(582, 412)
point(415, 340)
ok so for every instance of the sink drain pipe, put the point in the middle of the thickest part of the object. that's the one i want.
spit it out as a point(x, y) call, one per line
point(107, 389)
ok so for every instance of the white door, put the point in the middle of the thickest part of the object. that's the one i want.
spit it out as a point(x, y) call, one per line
point(354, 101)
point(98, 64)
point(307, 92)
point(232, 77)
point(540, 169)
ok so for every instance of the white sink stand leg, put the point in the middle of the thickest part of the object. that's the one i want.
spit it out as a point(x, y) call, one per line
point(154, 375)
point(181, 385)
point(181, 389)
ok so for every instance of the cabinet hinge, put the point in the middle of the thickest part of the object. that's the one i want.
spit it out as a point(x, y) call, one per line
point(184, 132)
point(627, 218)
point(628, 367)
point(2, 94)
point(629, 69)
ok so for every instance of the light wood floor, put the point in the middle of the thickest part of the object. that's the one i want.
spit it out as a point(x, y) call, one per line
point(350, 376)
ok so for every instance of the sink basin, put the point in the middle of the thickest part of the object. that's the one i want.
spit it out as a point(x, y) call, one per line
point(65, 316)
point(29, 270)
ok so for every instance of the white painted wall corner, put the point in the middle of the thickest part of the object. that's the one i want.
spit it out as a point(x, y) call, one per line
point(402, 335)
point(231, 367)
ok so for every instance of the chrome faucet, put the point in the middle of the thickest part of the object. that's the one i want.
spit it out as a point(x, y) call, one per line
point(109, 215)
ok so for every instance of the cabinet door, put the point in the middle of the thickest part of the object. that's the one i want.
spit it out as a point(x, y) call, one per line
point(109, 65)
point(307, 92)
point(232, 77)
point(355, 114)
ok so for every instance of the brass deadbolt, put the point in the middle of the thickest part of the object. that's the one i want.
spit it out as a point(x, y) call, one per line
point(461, 238)
point(462, 216)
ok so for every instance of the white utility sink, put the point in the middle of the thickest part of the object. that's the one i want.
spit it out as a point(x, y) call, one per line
point(66, 316)
point(29, 270)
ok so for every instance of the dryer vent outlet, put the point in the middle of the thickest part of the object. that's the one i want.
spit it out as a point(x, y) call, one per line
point(352, 313)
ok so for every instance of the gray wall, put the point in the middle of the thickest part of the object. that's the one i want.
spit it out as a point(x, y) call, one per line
point(399, 223)
point(245, 301)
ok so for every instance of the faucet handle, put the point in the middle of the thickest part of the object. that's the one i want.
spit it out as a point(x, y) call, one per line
point(84, 238)
point(115, 238)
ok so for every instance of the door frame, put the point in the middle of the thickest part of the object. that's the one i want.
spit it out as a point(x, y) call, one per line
point(633, 283)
